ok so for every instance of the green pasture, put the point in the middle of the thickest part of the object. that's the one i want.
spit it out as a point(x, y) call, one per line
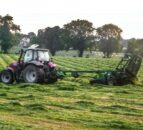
point(71, 103)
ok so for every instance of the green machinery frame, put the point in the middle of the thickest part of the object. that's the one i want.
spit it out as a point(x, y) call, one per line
point(125, 72)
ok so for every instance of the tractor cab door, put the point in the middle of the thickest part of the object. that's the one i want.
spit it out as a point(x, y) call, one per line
point(28, 56)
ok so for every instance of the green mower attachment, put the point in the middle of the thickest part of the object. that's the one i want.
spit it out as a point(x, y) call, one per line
point(125, 72)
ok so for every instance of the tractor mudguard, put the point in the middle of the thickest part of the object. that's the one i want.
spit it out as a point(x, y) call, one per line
point(10, 69)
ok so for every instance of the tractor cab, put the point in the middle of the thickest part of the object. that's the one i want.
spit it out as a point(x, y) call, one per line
point(34, 55)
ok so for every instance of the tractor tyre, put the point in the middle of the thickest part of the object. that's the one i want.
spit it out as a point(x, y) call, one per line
point(33, 74)
point(7, 77)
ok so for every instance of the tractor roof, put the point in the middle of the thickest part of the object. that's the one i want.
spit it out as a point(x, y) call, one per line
point(37, 49)
point(34, 47)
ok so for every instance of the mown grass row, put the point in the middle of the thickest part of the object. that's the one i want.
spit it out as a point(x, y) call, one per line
point(81, 107)
point(71, 103)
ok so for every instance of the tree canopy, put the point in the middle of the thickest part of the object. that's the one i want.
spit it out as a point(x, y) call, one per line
point(109, 36)
point(78, 35)
point(135, 46)
point(81, 34)
point(51, 39)
point(7, 27)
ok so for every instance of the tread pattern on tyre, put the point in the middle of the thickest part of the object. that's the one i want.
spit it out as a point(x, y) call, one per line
point(11, 79)
point(39, 71)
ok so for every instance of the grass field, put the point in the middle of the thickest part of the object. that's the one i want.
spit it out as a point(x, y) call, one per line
point(71, 104)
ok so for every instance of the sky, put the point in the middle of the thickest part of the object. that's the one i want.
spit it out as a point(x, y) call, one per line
point(32, 15)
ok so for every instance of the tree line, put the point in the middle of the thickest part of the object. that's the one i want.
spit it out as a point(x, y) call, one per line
point(81, 35)
point(78, 35)
point(7, 32)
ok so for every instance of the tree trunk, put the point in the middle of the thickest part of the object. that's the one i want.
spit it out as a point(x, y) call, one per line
point(108, 55)
point(80, 52)
point(105, 54)
point(4, 49)
point(53, 52)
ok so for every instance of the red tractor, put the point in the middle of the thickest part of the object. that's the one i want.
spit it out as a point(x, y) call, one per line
point(34, 66)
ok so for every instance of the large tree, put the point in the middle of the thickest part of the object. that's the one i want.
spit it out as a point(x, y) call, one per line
point(33, 38)
point(51, 38)
point(81, 34)
point(7, 28)
point(135, 46)
point(109, 36)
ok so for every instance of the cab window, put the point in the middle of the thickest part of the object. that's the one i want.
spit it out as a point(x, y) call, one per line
point(28, 56)
point(43, 55)
point(35, 55)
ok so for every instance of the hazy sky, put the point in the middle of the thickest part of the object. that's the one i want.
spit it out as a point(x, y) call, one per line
point(32, 15)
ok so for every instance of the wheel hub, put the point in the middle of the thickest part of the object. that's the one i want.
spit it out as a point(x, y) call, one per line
point(31, 76)
point(5, 77)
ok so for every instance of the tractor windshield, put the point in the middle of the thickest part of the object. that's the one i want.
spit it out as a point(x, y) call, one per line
point(43, 55)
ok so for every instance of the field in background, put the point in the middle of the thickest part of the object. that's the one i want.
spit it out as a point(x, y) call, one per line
point(93, 54)
point(71, 103)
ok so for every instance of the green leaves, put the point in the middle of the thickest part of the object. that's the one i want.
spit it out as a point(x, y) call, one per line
point(81, 32)
point(6, 36)
point(135, 46)
point(109, 36)
point(51, 38)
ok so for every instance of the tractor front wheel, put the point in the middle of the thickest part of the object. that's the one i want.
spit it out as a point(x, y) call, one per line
point(7, 77)
point(33, 74)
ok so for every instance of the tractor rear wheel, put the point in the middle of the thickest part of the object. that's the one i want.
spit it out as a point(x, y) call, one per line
point(7, 77)
point(33, 74)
